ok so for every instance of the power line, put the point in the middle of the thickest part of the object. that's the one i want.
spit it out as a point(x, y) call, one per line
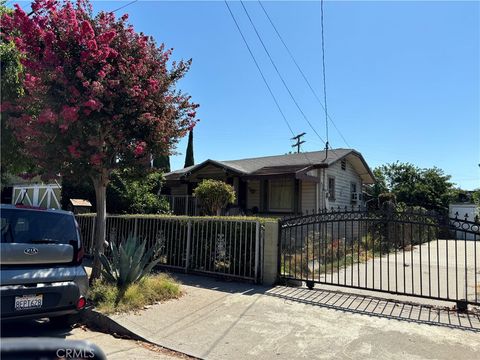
point(124, 6)
point(301, 72)
point(280, 75)
point(324, 78)
point(259, 69)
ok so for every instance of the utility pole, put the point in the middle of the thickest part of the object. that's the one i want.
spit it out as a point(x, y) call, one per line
point(298, 142)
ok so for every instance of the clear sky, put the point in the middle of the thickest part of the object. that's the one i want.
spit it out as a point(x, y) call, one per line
point(403, 78)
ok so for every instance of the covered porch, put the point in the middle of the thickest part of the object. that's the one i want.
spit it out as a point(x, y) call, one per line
point(270, 191)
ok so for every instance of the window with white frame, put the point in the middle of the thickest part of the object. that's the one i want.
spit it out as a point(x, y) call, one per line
point(280, 195)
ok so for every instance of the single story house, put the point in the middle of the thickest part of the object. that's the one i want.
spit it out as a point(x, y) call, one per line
point(284, 184)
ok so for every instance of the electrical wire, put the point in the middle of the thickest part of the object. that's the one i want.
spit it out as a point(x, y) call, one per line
point(124, 6)
point(280, 75)
point(302, 72)
point(259, 69)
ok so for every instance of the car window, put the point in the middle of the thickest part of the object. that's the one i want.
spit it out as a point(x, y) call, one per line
point(26, 226)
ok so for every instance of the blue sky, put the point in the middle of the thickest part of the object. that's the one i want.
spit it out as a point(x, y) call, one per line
point(403, 78)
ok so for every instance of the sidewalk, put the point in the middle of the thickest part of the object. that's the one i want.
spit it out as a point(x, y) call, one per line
point(219, 320)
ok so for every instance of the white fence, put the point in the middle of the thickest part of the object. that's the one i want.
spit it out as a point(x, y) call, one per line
point(230, 248)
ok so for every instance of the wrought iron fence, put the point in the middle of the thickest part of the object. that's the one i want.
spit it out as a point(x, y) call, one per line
point(231, 248)
point(408, 253)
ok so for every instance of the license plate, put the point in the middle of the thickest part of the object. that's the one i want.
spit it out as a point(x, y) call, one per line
point(28, 302)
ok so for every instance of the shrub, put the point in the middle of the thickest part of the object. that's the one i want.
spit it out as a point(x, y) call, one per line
point(127, 193)
point(133, 193)
point(214, 195)
point(151, 289)
point(129, 262)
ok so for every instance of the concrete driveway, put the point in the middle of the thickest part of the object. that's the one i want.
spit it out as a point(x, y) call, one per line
point(225, 320)
point(439, 268)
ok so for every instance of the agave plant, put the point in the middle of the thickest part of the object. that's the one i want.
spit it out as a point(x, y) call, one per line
point(129, 262)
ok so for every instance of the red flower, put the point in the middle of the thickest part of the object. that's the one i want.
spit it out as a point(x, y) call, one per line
point(69, 113)
point(96, 159)
point(47, 116)
point(92, 45)
point(72, 149)
point(93, 104)
point(139, 149)
point(87, 30)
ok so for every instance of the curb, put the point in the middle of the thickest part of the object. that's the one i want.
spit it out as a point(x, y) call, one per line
point(102, 323)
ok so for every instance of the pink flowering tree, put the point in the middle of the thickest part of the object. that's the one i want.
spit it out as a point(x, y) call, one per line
point(98, 95)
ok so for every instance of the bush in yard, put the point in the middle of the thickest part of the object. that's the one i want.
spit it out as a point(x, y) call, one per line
point(98, 96)
point(214, 195)
point(129, 193)
point(129, 262)
point(150, 290)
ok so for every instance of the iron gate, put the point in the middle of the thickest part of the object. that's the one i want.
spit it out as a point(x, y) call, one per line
point(413, 253)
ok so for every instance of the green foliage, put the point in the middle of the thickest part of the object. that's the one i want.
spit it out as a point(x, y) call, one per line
point(384, 197)
point(13, 161)
point(74, 188)
point(189, 159)
point(129, 193)
point(129, 262)
point(162, 163)
point(464, 196)
point(476, 196)
point(429, 188)
point(260, 219)
point(151, 289)
point(214, 195)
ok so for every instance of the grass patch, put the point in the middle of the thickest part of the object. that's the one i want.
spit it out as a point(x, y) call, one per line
point(150, 290)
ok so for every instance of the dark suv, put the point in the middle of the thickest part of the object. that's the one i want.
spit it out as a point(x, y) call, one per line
point(41, 264)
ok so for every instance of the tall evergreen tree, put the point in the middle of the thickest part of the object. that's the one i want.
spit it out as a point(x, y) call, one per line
point(189, 160)
point(162, 163)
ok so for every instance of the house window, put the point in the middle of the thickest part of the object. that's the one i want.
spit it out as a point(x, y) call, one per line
point(344, 164)
point(353, 187)
point(331, 188)
point(280, 195)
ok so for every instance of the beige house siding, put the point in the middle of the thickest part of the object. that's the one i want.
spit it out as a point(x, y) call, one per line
point(253, 194)
point(308, 193)
point(343, 181)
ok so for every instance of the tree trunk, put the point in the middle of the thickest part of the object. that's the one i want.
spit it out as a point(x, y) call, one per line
point(100, 185)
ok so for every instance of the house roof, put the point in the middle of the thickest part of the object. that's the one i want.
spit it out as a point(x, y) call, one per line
point(282, 164)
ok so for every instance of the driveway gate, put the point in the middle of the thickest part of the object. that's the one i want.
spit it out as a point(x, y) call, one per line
point(413, 253)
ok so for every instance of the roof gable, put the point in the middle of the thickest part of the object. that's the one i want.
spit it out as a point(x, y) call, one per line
point(282, 163)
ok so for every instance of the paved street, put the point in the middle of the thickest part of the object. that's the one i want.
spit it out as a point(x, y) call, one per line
point(114, 348)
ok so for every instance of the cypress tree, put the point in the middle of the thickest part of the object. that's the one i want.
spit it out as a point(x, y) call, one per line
point(189, 160)
point(162, 163)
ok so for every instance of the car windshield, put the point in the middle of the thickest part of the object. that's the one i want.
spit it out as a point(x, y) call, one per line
point(27, 226)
